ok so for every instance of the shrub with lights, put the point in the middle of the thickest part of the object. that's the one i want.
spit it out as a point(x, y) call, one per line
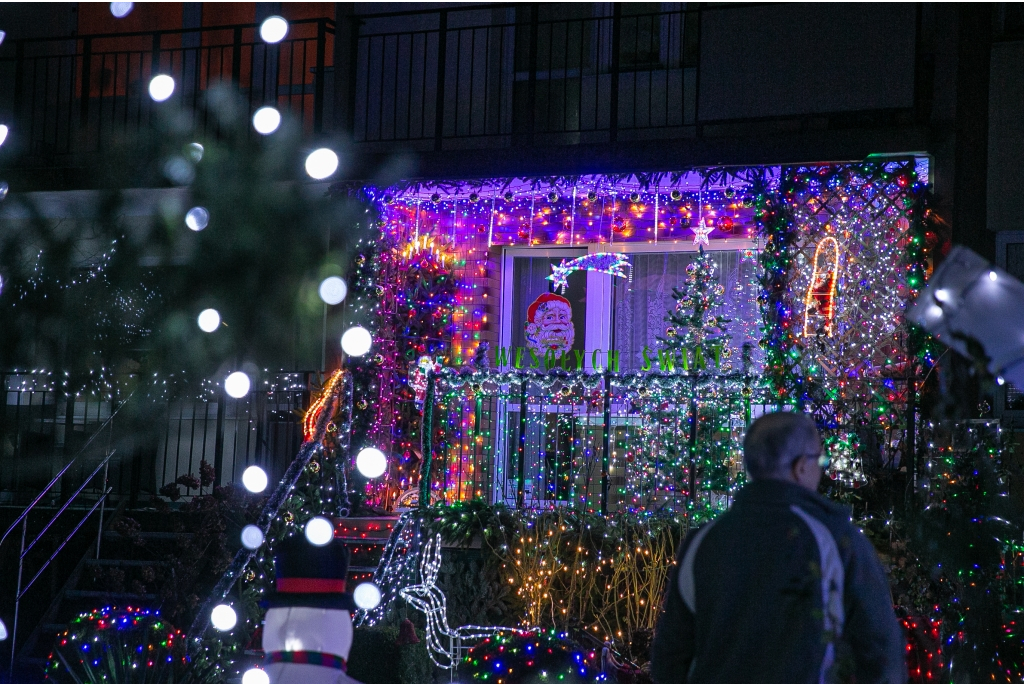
point(538, 656)
point(119, 645)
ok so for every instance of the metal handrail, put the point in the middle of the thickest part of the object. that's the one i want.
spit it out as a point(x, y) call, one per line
point(57, 478)
point(71, 499)
point(22, 520)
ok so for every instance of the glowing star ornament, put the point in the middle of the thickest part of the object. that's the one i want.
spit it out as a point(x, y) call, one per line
point(611, 263)
point(701, 232)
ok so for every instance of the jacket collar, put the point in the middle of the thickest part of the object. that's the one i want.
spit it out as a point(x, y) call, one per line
point(770, 491)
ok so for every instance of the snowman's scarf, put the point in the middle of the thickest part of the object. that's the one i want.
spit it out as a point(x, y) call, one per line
point(313, 658)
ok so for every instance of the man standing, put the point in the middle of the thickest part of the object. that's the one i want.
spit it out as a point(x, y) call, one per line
point(782, 587)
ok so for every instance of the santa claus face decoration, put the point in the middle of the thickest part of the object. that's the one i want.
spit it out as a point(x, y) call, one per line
point(549, 325)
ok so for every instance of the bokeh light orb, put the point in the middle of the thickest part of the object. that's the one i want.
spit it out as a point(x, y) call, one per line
point(121, 9)
point(366, 596)
point(356, 341)
point(252, 537)
point(319, 530)
point(223, 617)
point(255, 676)
point(333, 290)
point(371, 462)
point(161, 87)
point(195, 151)
point(321, 163)
point(274, 29)
point(266, 120)
point(237, 384)
point(209, 320)
point(254, 479)
point(197, 218)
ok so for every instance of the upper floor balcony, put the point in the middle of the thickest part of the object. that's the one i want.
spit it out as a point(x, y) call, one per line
point(498, 76)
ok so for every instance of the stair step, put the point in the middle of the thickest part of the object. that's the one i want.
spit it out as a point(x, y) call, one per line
point(362, 569)
point(364, 541)
point(114, 596)
point(114, 535)
point(124, 562)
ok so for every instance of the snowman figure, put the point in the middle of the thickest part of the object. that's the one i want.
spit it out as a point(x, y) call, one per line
point(307, 632)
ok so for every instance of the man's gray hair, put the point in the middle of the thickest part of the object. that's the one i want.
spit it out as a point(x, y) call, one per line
point(774, 441)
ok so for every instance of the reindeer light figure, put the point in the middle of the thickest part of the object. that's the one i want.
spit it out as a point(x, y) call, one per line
point(429, 599)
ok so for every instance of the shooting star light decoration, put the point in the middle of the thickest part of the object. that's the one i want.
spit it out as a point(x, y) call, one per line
point(611, 263)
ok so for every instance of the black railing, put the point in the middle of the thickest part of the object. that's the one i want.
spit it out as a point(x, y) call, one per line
point(505, 76)
point(74, 95)
point(163, 437)
point(472, 76)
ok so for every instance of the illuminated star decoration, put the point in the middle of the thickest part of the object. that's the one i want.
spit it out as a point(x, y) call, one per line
point(700, 233)
point(612, 263)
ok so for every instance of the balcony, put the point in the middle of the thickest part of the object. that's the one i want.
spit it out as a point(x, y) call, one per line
point(524, 77)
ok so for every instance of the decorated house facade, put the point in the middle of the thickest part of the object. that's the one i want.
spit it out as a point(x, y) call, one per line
point(601, 342)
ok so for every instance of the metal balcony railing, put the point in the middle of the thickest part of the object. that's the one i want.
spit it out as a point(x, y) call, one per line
point(42, 425)
point(504, 75)
point(72, 96)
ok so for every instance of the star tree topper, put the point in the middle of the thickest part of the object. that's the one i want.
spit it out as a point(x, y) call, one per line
point(700, 233)
point(612, 263)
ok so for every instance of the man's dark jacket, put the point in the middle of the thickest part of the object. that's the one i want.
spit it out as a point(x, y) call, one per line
point(780, 588)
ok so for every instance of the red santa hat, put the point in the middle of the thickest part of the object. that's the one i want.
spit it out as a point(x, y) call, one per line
point(544, 299)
